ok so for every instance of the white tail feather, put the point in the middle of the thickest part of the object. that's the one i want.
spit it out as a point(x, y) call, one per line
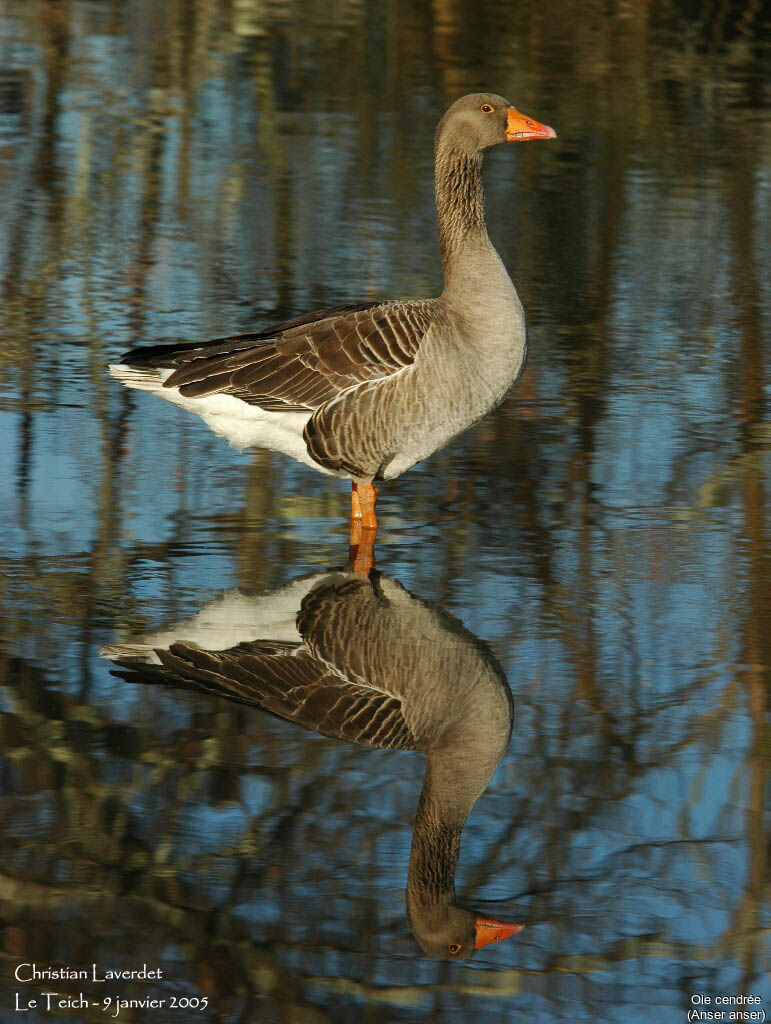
point(242, 424)
point(138, 377)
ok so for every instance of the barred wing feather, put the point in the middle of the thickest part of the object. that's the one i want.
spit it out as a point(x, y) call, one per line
point(302, 364)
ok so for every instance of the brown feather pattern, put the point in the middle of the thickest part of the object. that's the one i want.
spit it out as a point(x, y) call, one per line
point(366, 670)
point(302, 364)
point(298, 687)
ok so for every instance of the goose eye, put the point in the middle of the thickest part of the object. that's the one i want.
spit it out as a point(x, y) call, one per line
point(454, 947)
point(486, 108)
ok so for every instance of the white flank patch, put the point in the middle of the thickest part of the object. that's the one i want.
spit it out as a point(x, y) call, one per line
point(242, 424)
point(233, 618)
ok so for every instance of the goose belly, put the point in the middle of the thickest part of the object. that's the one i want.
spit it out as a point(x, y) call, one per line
point(241, 424)
point(441, 407)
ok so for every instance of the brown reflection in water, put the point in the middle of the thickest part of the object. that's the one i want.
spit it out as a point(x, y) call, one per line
point(376, 666)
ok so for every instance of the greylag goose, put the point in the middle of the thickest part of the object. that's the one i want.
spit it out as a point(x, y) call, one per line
point(365, 391)
point(365, 661)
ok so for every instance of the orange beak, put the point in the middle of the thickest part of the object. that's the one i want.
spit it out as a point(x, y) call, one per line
point(488, 931)
point(520, 128)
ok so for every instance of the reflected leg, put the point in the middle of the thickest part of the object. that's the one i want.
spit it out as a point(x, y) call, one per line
point(363, 527)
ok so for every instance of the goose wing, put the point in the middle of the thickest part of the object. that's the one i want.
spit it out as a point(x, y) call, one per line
point(287, 680)
point(301, 364)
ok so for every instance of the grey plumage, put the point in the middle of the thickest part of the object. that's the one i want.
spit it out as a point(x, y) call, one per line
point(375, 387)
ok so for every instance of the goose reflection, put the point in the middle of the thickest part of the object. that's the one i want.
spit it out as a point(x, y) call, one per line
point(363, 660)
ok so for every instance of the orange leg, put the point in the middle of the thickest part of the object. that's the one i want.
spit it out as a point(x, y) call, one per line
point(355, 503)
point(363, 527)
point(367, 497)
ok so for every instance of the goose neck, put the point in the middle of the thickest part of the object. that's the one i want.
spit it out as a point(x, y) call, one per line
point(445, 802)
point(460, 206)
point(434, 854)
point(475, 279)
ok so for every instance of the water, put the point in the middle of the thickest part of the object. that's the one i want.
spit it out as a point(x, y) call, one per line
point(179, 171)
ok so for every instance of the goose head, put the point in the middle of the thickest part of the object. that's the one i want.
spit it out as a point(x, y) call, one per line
point(482, 120)
point(448, 932)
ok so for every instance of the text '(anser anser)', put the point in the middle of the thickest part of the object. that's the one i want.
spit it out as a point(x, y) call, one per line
point(366, 391)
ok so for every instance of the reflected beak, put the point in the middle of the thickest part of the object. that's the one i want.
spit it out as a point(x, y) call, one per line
point(520, 128)
point(488, 931)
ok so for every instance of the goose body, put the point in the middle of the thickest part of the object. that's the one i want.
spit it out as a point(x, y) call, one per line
point(366, 391)
point(367, 662)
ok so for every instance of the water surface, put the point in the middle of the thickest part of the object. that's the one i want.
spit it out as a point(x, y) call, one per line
point(186, 170)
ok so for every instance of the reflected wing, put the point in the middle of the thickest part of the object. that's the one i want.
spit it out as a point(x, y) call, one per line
point(301, 364)
point(288, 681)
